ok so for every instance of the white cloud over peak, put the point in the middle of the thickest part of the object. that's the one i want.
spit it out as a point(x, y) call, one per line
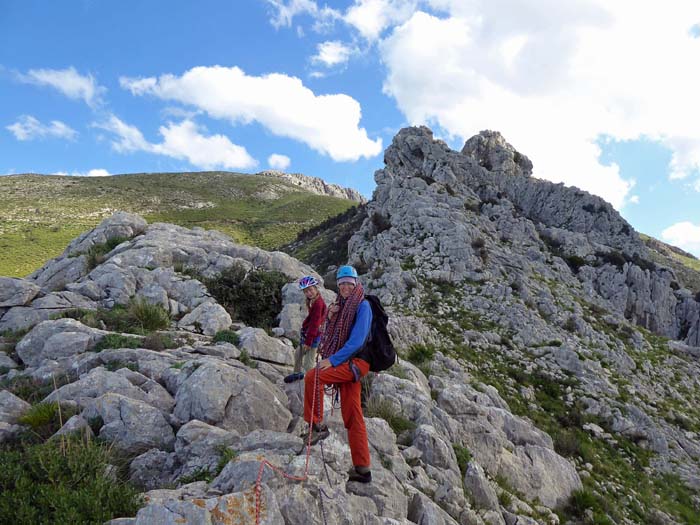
point(331, 53)
point(278, 162)
point(553, 78)
point(69, 82)
point(181, 141)
point(685, 235)
point(327, 123)
point(29, 128)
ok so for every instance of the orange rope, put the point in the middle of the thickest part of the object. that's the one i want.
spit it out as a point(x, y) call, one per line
point(265, 462)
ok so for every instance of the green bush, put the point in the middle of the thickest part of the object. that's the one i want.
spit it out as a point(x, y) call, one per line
point(227, 455)
point(32, 390)
point(419, 354)
point(45, 419)
point(201, 474)
point(247, 360)
point(139, 316)
point(147, 316)
point(96, 253)
point(385, 410)
point(159, 342)
point(117, 341)
point(63, 482)
point(227, 336)
point(254, 297)
point(463, 457)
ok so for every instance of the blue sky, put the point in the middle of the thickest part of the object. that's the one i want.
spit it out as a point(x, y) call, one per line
point(100, 87)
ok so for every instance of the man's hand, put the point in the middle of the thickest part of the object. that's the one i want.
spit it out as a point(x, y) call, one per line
point(333, 309)
point(305, 348)
point(325, 363)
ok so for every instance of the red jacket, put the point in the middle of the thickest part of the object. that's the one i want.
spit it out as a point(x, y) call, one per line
point(311, 326)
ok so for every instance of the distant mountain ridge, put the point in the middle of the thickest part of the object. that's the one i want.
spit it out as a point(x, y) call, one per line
point(40, 214)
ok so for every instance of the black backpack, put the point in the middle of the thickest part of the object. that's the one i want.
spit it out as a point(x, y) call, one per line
point(378, 350)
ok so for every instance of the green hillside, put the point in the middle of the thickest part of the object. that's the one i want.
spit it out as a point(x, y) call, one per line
point(40, 214)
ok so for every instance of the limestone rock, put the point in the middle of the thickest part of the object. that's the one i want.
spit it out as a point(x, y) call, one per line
point(16, 292)
point(133, 426)
point(261, 346)
point(231, 398)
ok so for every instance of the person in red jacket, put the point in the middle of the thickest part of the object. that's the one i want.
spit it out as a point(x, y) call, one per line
point(305, 355)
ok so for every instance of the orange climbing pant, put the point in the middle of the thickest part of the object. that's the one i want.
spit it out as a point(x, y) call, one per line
point(350, 405)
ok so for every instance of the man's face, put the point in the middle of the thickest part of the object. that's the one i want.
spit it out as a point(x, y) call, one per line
point(346, 289)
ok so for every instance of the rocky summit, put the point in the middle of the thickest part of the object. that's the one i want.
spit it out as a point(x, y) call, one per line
point(549, 367)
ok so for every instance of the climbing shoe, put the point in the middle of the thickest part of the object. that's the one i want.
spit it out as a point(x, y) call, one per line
point(365, 476)
point(294, 377)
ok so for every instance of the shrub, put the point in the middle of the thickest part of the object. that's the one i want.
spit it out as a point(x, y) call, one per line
point(380, 222)
point(570, 324)
point(62, 482)
point(463, 457)
point(148, 316)
point(227, 336)
point(247, 360)
point(96, 253)
point(32, 390)
point(117, 341)
point(254, 297)
point(159, 342)
point(567, 443)
point(227, 455)
point(201, 474)
point(419, 354)
point(113, 366)
point(613, 257)
point(45, 419)
point(575, 262)
point(385, 409)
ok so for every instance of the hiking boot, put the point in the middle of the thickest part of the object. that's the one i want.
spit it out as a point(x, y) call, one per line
point(319, 432)
point(294, 377)
point(361, 477)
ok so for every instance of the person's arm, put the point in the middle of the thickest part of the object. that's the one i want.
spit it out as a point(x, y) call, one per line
point(358, 335)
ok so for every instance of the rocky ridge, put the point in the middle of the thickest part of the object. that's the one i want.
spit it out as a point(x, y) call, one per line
point(316, 185)
point(548, 281)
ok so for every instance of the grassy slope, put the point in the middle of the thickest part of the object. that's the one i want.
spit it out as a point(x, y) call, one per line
point(39, 215)
point(684, 264)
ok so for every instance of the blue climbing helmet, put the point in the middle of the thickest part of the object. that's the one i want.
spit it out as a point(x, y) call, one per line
point(345, 272)
point(306, 281)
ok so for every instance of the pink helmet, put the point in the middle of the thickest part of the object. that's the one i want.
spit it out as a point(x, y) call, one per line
point(306, 281)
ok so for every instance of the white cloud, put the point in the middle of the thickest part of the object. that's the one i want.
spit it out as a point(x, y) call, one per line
point(181, 141)
point(284, 13)
point(634, 199)
point(685, 235)
point(554, 77)
point(93, 173)
point(99, 172)
point(371, 17)
point(69, 82)
point(327, 123)
point(278, 162)
point(332, 53)
point(29, 128)
point(130, 138)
